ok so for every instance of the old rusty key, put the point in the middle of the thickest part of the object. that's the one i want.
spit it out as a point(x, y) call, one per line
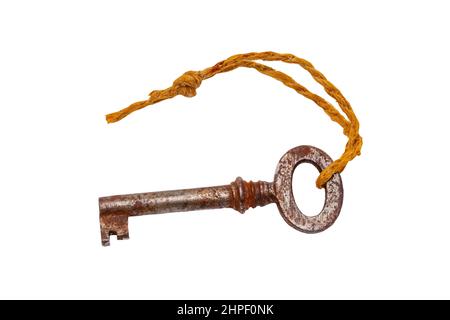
point(239, 195)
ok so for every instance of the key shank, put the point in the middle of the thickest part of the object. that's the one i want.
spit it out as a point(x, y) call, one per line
point(239, 195)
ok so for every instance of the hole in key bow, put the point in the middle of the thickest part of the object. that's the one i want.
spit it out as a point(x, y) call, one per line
point(308, 198)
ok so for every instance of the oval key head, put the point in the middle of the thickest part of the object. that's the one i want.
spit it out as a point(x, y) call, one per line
point(334, 192)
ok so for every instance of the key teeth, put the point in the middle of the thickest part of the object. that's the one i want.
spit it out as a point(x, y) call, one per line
point(105, 241)
point(106, 237)
point(113, 224)
point(123, 237)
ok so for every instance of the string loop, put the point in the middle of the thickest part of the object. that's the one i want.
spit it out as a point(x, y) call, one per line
point(188, 82)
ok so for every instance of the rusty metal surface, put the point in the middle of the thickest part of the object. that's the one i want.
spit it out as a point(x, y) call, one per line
point(239, 195)
point(334, 192)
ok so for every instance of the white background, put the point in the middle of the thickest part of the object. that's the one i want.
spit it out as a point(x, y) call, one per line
point(64, 65)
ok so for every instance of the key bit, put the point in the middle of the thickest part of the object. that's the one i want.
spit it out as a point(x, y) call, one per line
point(239, 195)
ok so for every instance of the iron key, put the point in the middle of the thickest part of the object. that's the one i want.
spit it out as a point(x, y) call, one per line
point(239, 195)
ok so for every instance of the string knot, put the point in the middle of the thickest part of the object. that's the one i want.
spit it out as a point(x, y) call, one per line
point(187, 84)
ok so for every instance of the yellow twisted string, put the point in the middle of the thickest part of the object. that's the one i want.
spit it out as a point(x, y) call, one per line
point(187, 84)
